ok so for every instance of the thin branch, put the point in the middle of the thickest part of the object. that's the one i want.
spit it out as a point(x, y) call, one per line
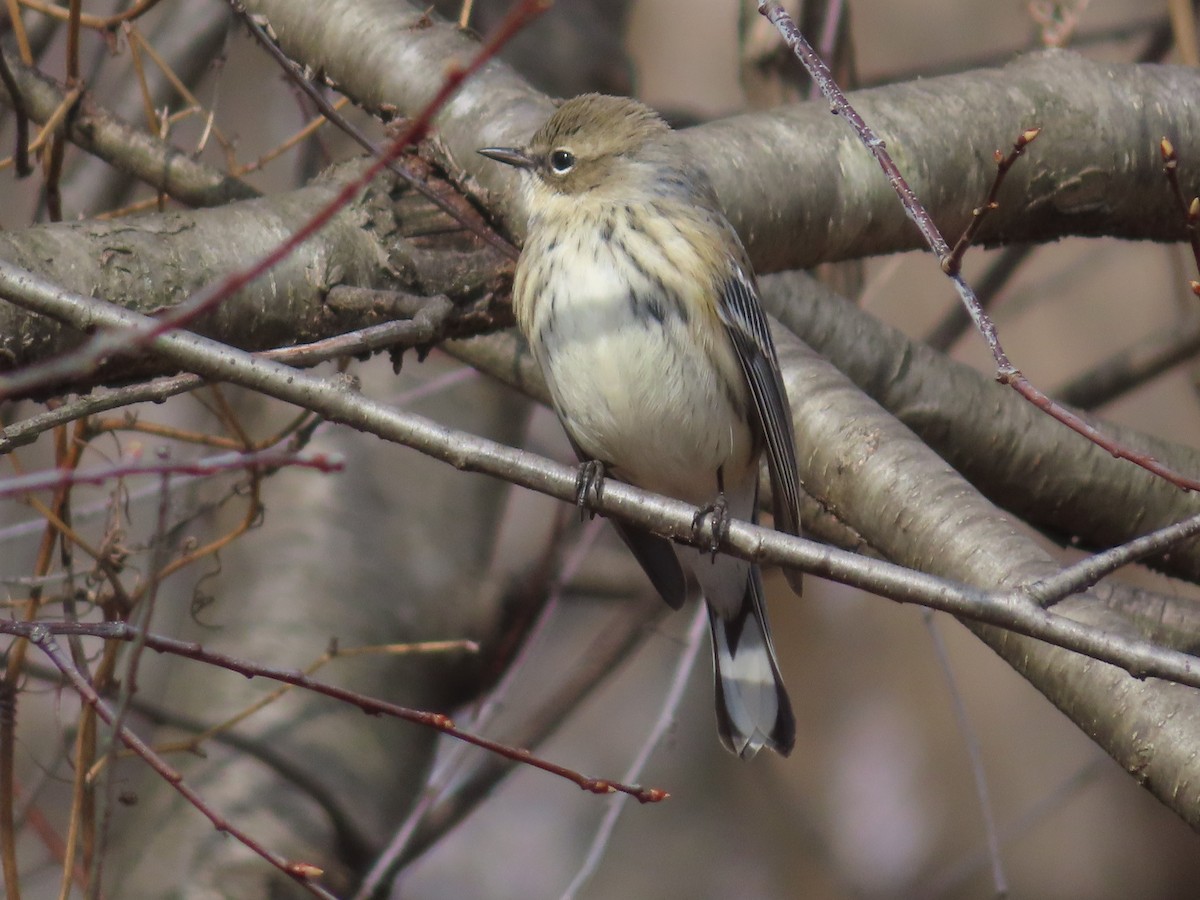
point(21, 153)
point(1088, 572)
point(999, 273)
point(128, 684)
point(1006, 372)
point(302, 873)
point(193, 743)
point(603, 657)
point(670, 518)
point(1190, 210)
point(974, 756)
point(950, 881)
point(131, 150)
point(351, 837)
point(956, 320)
point(8, 804)
point(122, 631)
point(432, 321)
point(270, 459)
point(308, 130)
point(19, 32)
point(461, 212)
point(447, 768)
point(666, 718)
point(105, 344)
point(952, 264)
point(99, 23)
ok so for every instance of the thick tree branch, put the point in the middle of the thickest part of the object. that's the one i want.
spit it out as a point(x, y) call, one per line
point(131, 150)
point(909, 503)
point(794, 180)
point(957, 410)
point(154, 262)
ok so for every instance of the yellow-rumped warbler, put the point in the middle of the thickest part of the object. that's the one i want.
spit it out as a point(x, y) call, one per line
point(640, 306)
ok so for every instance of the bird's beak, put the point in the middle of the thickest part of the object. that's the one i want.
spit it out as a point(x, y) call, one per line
point(512, 156)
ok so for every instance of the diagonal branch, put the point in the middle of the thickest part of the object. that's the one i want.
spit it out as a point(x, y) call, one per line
point(661, 515)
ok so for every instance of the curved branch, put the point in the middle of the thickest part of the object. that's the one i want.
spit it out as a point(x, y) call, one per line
point(131, 150)
point(956, 410)
point(794, 180)
point(155, 262)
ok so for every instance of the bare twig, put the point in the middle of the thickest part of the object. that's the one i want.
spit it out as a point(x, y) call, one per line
point(666, 718)
point(1088, 572)
point(999, 272)
point(336, 652)
point(433, 319)
point(661, 515)
point(1189, 209)
point(105, 344)
point(460, 212)
point(99, 23)
point(128, 686)
point(956, 321)
point(122, 631)
point(950, 881)
point(599, 660)
point(448, 767)
point(302, 873)
point(952, 264)
point(1006, 372)
point(21, 153)
point(264, 459)
point(131, 150)
point(8, 829)
point(974, 755)
point(19, 32)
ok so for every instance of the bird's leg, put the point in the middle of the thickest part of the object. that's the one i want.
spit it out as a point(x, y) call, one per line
point(719, 512)
point(590, 480)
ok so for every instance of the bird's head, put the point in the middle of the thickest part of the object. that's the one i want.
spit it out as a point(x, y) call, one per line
point(592, 142)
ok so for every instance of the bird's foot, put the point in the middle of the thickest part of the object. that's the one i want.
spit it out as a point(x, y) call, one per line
point(717, 513)
point(590, 480)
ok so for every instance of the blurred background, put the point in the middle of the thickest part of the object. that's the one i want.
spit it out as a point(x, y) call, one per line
point(880, 798)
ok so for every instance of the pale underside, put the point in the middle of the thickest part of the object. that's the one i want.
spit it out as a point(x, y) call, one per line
point(662, 403)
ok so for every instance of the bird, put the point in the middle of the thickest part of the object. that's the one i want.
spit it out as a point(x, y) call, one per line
point(640, 306)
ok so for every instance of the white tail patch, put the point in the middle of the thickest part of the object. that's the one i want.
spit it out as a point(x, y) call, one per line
point(753, 710)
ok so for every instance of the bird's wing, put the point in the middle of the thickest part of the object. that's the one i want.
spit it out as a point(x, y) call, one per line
point(654, 554)
point(657, 558)
point(746, 323)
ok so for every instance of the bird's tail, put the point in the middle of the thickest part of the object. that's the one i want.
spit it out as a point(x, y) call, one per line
point(753, 709)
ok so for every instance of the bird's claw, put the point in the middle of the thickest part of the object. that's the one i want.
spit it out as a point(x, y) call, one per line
point(718, 514)
point(590, 480)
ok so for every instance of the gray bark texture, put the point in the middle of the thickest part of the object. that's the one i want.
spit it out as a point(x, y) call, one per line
point(903, 452)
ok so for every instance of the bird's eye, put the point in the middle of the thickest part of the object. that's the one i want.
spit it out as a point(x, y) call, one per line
point(562, 161)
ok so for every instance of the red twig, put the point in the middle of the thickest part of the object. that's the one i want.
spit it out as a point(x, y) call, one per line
point(301, 872)
point(1006, 372)
point(462, 213)
point(1191, 211)
point(122, 631)
point(105, 344)
point(271, 458)
point(952, 264)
